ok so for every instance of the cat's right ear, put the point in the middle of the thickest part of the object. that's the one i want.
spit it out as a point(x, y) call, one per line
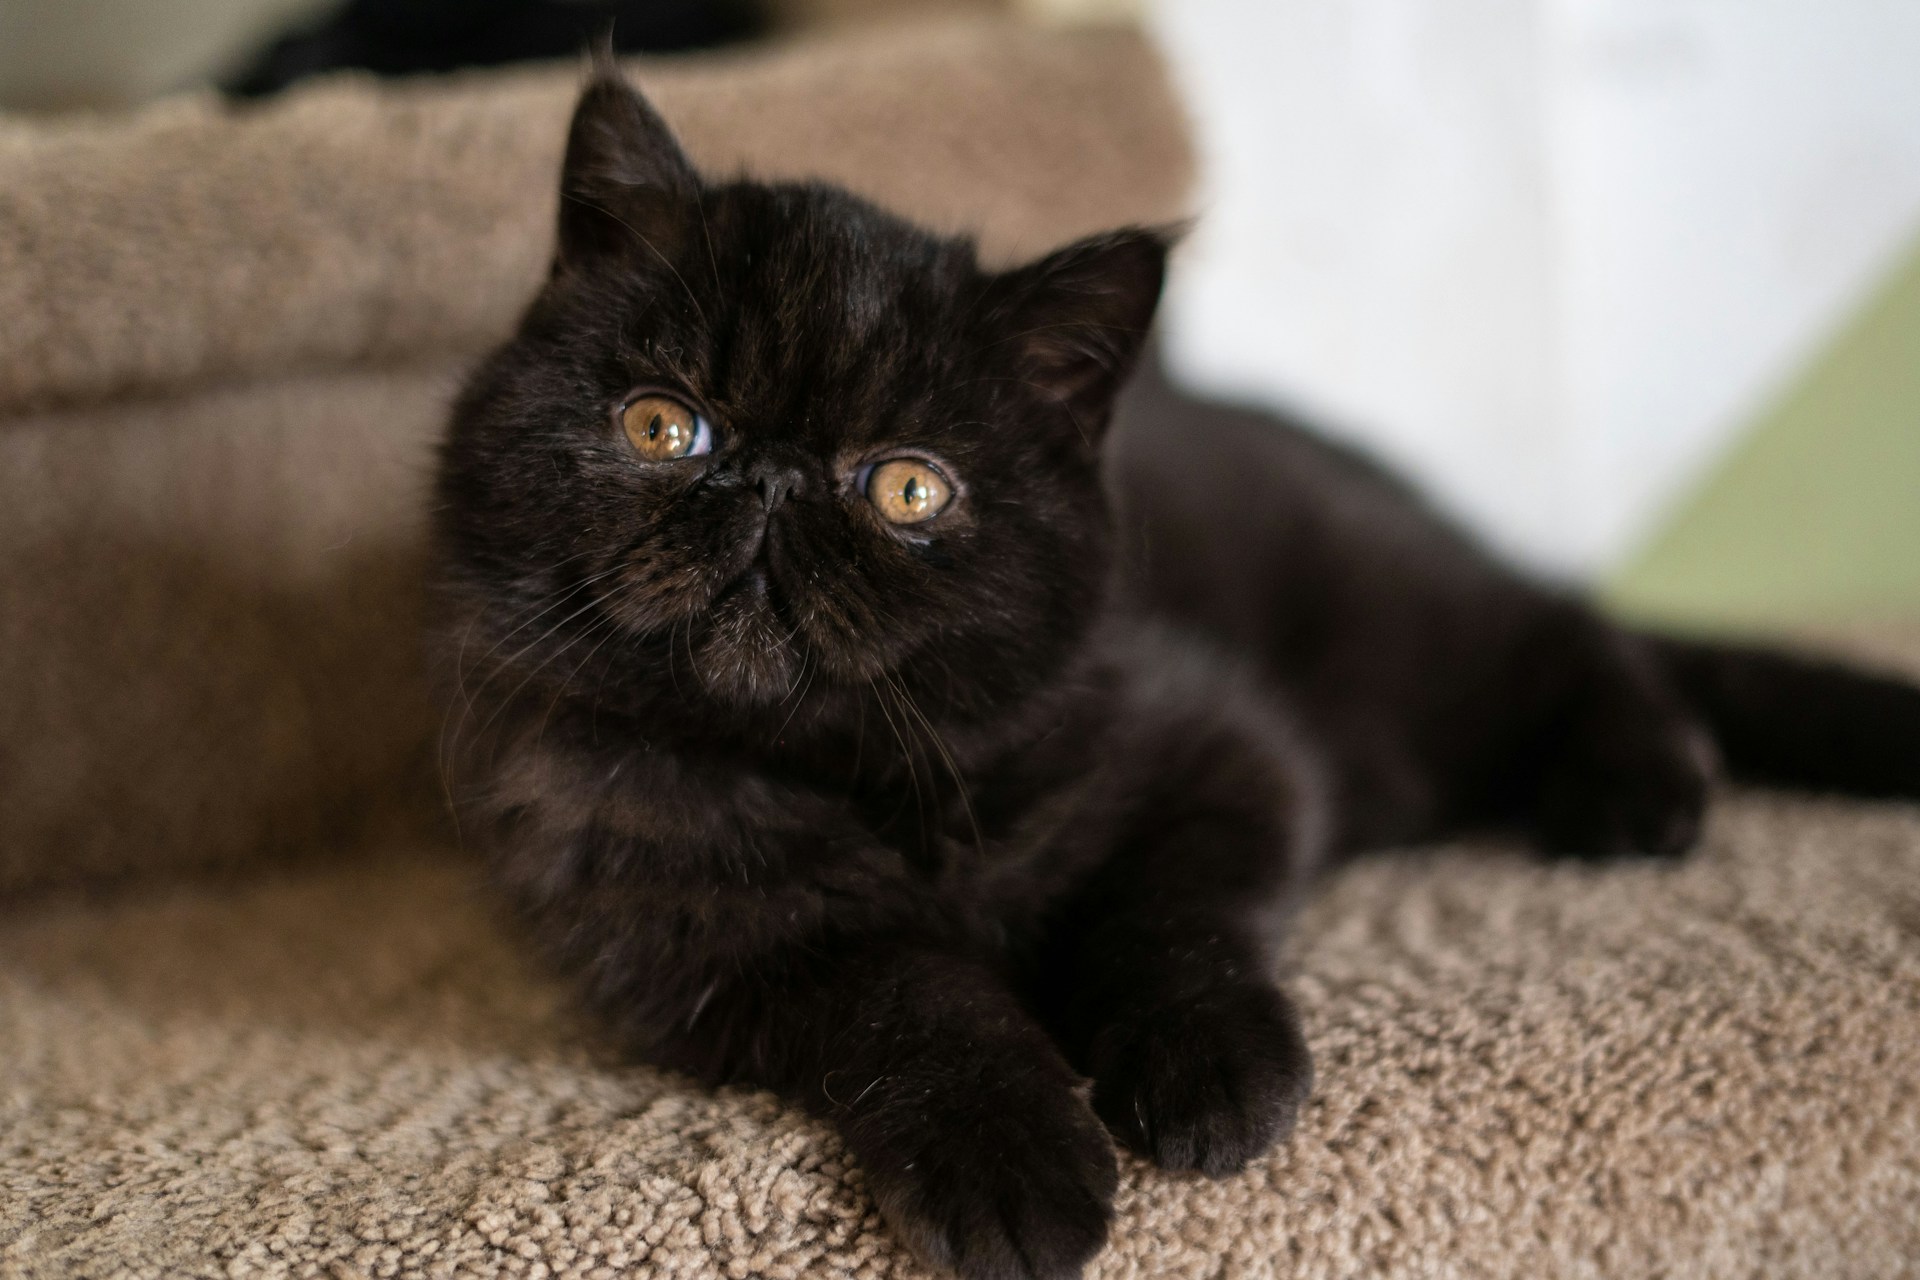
point(625, 187)
point(1075, 321)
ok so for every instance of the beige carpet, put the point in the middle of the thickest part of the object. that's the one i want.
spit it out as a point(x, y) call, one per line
point(1525, 1071)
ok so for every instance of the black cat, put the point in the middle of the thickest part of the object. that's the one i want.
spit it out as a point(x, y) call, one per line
point(847, 726)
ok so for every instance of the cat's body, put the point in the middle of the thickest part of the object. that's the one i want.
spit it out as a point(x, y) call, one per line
point(919, 821)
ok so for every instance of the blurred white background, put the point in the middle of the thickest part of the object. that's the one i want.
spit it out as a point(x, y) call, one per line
point(1550, 255)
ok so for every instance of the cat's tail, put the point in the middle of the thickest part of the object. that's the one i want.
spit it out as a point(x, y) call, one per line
point(1788, 720)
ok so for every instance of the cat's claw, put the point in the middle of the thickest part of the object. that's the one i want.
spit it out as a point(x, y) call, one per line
point(1208, 1085)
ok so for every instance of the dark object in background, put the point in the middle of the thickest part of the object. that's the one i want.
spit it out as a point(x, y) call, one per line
point(399, 37)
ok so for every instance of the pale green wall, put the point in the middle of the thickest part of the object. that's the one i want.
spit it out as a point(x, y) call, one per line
point(1815, 516)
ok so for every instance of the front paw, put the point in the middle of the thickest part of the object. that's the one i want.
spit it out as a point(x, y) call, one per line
point(1007, 1181)
point(1208, 1084)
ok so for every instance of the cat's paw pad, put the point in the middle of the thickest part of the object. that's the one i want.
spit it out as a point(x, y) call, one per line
point(1641, 794)
point(1207, 1085)
point(1017, 1187)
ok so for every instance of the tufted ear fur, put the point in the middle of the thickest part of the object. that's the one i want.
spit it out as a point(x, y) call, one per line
point(625, 187)
point(1075, 320)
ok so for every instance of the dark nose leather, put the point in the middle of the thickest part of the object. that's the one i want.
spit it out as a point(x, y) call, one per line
point(777, 482)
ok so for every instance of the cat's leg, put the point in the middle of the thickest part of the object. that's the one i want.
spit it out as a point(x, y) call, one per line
point(776, 944)
point(1200, 1066)
point(1158, 973)
point(1448, 691)
point(1512, 707)
point(974, 1134)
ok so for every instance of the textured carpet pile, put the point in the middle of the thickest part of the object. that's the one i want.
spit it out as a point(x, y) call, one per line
point(1525, 1070)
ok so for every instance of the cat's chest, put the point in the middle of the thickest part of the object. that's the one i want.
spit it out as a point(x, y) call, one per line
point(1003, 840)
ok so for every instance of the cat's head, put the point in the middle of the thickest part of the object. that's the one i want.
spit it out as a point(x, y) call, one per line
point(752, 435)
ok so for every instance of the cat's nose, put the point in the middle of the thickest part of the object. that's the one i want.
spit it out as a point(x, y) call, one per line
point(777, 482)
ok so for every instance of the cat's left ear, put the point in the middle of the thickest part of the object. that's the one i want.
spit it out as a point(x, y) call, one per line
point(625, 186)
point(1075, 321)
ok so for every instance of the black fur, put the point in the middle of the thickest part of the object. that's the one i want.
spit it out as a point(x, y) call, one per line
point(923, 825)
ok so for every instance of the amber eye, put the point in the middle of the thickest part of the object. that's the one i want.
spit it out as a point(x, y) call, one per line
point(907, 491)
point(662, 429)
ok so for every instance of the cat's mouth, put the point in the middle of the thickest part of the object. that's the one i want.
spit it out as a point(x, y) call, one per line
point(755, 621)
point(757, 581)
point(755, 587)
point(750, 652)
